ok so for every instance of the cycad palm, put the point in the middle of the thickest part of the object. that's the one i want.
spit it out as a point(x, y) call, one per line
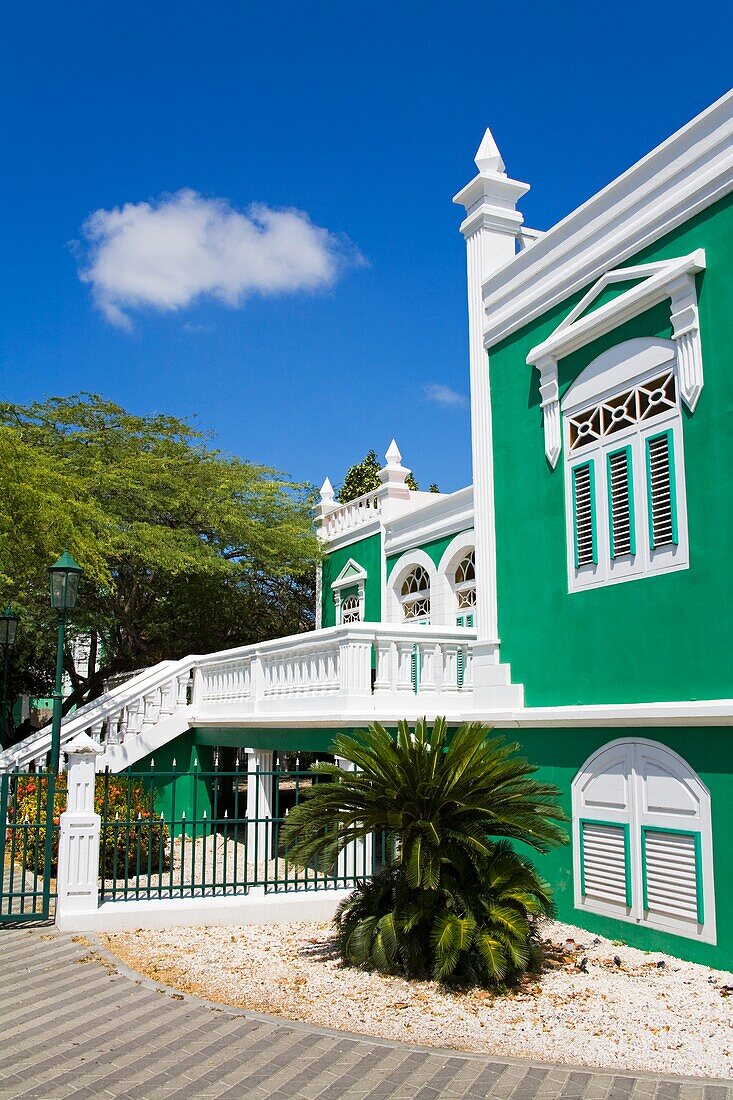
point(458, 901)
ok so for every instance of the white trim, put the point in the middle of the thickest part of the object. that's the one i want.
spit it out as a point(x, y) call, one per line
point(446, 515)
point(629, 806)
point(454, 553)
point(359, 574)
point(398, 572)
point(673, 279)
point(688, 172)
point(356, 534)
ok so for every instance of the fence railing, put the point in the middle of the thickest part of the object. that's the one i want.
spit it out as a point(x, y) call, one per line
point(171, 834)
point(29, 832)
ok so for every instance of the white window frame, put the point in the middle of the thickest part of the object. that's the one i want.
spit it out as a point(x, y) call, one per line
point(410, 598)
point(352, 575)
point(622, 368)
point(633, 759)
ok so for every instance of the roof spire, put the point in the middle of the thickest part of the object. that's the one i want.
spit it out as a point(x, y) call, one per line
point(488, 158)
point(327, 492)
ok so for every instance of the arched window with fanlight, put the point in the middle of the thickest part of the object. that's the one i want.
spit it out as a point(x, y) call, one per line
point(415, 596)
point(351, 610)
point(624, 466)
point(464, 587)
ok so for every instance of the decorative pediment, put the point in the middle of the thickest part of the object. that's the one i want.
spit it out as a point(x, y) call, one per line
point(652, 284)
point(352, 573)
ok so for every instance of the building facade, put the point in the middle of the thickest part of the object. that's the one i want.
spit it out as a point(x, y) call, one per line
point(578, 595)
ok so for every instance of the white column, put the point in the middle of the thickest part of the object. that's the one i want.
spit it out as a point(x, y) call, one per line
point(260, 805)
point(490, 229)
point(357, 858)
point(78, 862)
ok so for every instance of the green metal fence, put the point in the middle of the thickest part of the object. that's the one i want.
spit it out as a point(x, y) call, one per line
point(168, 834)
point(29, 834)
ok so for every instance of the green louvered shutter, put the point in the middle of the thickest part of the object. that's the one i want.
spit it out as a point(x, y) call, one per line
point(584, 514)
point(621, 503)
point(661, 490)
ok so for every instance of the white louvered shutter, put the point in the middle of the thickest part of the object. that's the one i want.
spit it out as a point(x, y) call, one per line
point(671, 874)
point(605, 862)
point(661, 489)
point(620, 503)
point(415, 668)
point(584, 522)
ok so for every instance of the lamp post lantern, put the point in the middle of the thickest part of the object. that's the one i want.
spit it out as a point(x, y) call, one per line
point(64, 576)
point(8, 627)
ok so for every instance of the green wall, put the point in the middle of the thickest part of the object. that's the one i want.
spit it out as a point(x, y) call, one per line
point(192, 791)
point(661, 637)
point(368, 554)
point(560, 753)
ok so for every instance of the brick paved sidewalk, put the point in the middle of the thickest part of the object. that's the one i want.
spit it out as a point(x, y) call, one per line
point(73, 1025)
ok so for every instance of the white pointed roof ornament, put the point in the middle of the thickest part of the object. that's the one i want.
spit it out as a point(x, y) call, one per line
point(488, 158)
point(393, 456)
point(327, 492)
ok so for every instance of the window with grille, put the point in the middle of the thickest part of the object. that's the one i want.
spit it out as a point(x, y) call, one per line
point(624, 463)
point(415, 595)
point(464, 582)
point(351, 610)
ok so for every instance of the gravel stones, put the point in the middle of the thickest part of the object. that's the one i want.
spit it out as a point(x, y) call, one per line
point(584, 1009)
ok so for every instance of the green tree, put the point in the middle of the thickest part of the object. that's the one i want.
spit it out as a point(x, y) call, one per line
point(363, 477)
point(459, 902)
point(185, 548)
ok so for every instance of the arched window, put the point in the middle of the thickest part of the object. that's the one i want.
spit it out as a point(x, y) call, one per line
point(415, 596)
point(464, 582)
point(351, 610)
point(642, 839)
point(624, 469)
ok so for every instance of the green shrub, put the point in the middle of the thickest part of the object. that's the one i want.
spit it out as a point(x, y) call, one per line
point(131, 830)
point(459, 903)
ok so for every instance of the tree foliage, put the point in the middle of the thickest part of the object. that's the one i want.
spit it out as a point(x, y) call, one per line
point(184, 548)
point(458, 902)
point(363, 477)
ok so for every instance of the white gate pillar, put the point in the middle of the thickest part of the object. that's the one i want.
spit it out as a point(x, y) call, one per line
point(357, 858)
point(78, 862)
point(260, 805)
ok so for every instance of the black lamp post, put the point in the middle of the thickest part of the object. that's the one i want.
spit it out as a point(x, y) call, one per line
point(8, 628)
point(64, 578)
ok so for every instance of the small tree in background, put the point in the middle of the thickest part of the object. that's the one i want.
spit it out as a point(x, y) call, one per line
point(363, 477)
point(459, 902)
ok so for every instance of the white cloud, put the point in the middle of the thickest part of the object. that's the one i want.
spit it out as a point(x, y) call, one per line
point(444, 395)
point(168, 253)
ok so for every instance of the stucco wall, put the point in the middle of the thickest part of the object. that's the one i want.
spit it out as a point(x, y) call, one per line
point(664, 637)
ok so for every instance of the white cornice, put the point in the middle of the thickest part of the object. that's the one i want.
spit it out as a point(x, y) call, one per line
point(356, 534)
point(447, 516)
point(685, 174)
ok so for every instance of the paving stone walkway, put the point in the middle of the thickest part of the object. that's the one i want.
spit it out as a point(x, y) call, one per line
point(72, 1024)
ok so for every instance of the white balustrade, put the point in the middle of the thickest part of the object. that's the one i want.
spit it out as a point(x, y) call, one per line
point(417, 669)
point(353, 514)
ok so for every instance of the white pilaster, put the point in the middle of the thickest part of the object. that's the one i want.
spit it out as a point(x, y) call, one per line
point(356, 860)
point(490, 229)
point(260, 805)
point(78, 861)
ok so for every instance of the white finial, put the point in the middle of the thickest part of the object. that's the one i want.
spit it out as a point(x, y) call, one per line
point(393, 456)
point(488, 158)
point(327, 492)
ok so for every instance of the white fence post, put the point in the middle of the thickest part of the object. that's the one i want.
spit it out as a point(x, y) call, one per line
point(356, 860)
point(259, 806)
point(77, 881)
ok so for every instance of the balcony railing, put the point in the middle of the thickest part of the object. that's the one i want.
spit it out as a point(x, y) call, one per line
point(345, 517)
point(355, 672)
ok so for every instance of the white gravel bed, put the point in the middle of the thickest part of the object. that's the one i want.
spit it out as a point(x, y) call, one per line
point(639, 1015)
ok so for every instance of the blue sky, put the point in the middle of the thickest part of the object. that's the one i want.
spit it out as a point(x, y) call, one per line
point(364, 117)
